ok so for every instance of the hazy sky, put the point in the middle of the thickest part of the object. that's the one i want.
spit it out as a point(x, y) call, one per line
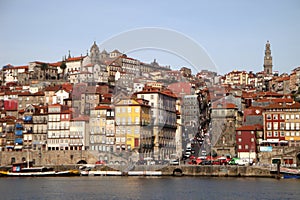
point(233, 33)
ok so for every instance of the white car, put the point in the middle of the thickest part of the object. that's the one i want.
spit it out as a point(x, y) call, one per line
point(242, 162)
point(174, 162)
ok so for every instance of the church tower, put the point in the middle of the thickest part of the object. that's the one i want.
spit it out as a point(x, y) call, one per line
point(268, 60)
point(94, 54)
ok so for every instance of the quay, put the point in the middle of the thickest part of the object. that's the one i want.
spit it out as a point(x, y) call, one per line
point(177, 170)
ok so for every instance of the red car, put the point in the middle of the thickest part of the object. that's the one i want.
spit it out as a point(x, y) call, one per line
point(100, 162)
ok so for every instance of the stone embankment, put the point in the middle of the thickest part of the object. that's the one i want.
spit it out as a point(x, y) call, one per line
point(218, 171)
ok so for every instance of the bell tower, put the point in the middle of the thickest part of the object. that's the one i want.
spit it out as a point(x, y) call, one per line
point(268, 60)
point(94, 54)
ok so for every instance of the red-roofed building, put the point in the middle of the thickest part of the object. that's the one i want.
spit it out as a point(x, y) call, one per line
point(247, 139)
point(181, 88)
point(282, 123)
point(163, 113)
point(59, 117)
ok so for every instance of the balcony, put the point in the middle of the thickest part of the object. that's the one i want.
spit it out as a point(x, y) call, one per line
point(18, 132)
point(19, 126)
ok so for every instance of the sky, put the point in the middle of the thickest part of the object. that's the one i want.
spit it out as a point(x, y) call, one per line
point(232, 33)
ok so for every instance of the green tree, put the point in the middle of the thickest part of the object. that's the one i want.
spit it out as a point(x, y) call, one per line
point(63, 67)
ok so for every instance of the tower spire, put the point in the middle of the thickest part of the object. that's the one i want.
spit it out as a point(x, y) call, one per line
point(268, 65)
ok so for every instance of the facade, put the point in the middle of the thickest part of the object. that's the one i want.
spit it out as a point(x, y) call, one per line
point(79, 133)
point(163, 119)
point(225, 118)
point(98, 122)
point(133, 131)
point(190, 115)
point(58, 127)
point(236, 78)
point(247, 141)
point(282, 124)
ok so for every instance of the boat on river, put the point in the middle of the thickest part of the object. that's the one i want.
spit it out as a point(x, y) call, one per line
point(21, 170)
point(287, 173)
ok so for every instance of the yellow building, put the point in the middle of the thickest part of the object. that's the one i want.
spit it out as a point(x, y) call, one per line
point(132, 117)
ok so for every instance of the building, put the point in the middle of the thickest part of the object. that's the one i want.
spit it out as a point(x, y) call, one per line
point(246, 141)
point(190, 115)
point(98, 129)
point(58, 127)
point(236, 78)
point(163, 119)
point(133, 130)
point(282, 123)
point(79, 133)
point(225, 118)
point(268, 65)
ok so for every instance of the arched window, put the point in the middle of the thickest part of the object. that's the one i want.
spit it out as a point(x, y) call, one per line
point(13, 160)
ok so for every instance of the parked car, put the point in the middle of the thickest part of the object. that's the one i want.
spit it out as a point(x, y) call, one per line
point(206, 162)
point(100, 162)
point(238, 161)
point(174, 162)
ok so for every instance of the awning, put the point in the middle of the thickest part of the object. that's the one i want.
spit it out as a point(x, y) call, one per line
point(283, 141)
point(18, 147)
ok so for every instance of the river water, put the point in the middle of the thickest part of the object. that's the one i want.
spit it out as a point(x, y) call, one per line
point(147, 188)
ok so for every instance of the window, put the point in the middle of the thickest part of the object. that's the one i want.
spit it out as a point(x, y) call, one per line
point(275, 124)
point(275, 134)
point(268, 116)
point(281, 125)
point(287, 126)
point(137, 120)
point(269, 126)
point(240, 146)
point(252, 139)
point(292, 134)
point(281, 116)
point(152, 96)
point(239, 139)
point(129, 110)
point(246, 146)
point(129, 120)
point(239, 132)
point(292, 116)
point(297, 126)
point(292, 126)
point(287, 117)
point(275, 116)
point(281, 134)
point(269, 133)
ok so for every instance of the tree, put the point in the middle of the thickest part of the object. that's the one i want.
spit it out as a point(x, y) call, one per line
point(63, 66)
point(44, 67)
